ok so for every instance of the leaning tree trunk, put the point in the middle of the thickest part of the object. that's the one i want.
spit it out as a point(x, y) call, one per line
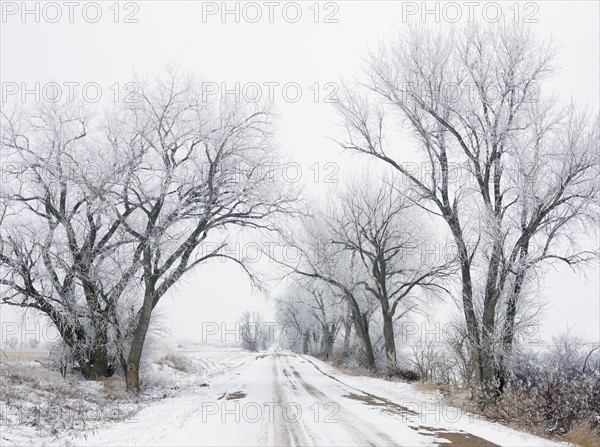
point(390, 343)
point(132, 378)
point(362, 329)
point(467, 290)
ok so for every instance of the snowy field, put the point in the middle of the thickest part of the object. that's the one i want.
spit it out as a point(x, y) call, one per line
point(229, 397)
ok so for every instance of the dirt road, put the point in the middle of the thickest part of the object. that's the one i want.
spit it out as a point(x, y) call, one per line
point(285, 399)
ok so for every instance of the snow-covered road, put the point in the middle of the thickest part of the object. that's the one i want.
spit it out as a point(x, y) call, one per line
point(286, 399)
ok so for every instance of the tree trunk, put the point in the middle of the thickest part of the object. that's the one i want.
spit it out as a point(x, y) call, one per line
point(328, 340)
point(508, 332)
point(132, 378)
point(362, 328)
point(87, 369)
point(74, 336)
point(305, 342)
point(488, 385)
point(77, 340)
point(100, 359)
point(467, 291)
point(347, 335)
point(390, 343)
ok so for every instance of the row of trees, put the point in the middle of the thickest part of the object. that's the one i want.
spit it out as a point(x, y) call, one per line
point(361, 254)
point(102, 216)
point(507, 176)
point(511, 174)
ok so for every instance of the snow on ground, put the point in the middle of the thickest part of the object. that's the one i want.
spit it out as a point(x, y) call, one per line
point(279, 398)
point(39, 407)
point(433, 412)
point(201, 365)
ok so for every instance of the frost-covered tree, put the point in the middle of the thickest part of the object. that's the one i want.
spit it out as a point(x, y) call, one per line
point(255, 335)
point(117, 209)
point(382, 229)
point(320, 259)
point(196, 166)
point(59, 244)
point(504, 168)
point(310, 315)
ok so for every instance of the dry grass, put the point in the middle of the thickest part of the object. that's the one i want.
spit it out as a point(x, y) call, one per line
point(37, 400)
point(24, 355)
point(583, 435)
point(364, 372)
point(509, 414)
point(178, 362)
point(114, 388)
point(466, 400)
point(429, 387)
point(357, 372)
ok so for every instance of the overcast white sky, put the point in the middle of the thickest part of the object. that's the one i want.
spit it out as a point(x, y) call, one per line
point(304, 53)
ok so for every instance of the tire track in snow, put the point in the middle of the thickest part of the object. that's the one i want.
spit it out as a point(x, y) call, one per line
point(455, 437)
point(351, 423)
point(286, 432)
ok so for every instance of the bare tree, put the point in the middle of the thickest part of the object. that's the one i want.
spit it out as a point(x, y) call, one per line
point(57, 244)
point(471, 102)
point(253, 335)
point(322, 260)
point(294, 320)
point(372, 222)
point(324, 311)
point(172, 167)
point(195, 167)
